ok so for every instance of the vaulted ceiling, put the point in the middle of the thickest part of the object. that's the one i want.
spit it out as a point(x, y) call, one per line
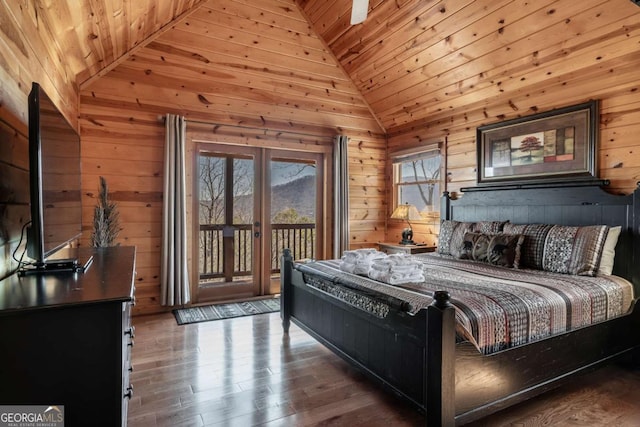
point(411, 61)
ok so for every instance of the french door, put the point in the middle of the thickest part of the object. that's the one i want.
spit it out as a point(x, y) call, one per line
point(251, 203)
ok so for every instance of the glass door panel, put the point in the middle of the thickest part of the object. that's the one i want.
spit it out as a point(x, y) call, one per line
point(293, 211)
point(226, 212)
point(211, 213)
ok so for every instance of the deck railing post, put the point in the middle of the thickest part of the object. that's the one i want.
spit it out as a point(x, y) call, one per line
point(439, 381)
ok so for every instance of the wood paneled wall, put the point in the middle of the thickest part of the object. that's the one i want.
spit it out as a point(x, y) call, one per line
point(27, 54)
point(619, 146)
point(124, 142)
point(14, 187)
point(619, 126)
point(593, 54)
point(260, 75)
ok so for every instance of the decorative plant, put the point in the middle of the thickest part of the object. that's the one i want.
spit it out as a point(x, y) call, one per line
point(106, 219)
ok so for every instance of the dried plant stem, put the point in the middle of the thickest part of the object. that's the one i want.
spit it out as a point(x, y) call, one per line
point(106, 219)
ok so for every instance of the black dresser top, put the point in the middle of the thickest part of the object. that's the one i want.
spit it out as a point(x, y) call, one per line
point(108, 278)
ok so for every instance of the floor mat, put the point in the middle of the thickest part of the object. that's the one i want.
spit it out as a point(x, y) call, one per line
point(206, 313)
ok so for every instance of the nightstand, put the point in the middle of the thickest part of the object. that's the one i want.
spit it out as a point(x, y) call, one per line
point(396, 248)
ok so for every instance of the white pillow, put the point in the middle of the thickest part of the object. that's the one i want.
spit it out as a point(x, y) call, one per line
point(609, 251)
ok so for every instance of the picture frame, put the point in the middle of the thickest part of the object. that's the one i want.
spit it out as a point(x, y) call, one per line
point(554, 146)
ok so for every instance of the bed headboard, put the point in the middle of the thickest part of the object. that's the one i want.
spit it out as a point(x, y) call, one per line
point(581, 205)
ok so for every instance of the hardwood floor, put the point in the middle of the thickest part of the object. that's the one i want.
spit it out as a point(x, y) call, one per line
point(243, 372)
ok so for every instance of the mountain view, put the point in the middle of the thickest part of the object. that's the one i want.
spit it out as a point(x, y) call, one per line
point(298, 194)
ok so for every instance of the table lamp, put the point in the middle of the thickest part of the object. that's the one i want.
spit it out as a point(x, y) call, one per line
point(408, 213)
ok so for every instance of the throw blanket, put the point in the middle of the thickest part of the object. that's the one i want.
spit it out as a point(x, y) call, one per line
point(497, 307)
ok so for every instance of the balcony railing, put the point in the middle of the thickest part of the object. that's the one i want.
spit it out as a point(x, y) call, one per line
point(300, 238)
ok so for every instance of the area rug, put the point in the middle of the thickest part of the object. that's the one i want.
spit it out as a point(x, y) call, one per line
point(206, 313)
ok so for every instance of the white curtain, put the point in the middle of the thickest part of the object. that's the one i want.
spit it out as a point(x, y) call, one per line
point(341, 196)
point(174, 278)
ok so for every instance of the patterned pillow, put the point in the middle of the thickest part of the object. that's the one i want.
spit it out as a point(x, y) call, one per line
point(451, 234)
point(489, 227)
point(474, 245)
point(458, 236)
point(496, 249)
point(444, 239)
point(505, 250)
point(533, 246)
point(574, 250)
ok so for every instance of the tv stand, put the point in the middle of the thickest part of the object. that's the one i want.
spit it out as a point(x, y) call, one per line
point(66, 339)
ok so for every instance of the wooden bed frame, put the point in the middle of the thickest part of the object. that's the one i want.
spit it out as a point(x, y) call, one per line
point(417, 357)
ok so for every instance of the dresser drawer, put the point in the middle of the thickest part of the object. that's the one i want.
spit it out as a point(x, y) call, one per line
point(128, 337)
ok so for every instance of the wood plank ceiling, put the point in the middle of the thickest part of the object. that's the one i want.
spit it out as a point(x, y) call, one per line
point(412, 61)
point(429, 61)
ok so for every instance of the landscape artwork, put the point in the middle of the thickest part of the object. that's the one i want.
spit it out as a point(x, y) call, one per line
point(554, 145)
point(551, 146)
point(527, 149)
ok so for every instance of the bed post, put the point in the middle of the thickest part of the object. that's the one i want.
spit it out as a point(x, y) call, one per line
point(445, 206)
point(286, 267)
point(439, 381)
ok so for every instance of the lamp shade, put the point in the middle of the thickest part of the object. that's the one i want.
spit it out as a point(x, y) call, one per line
point(406, 212)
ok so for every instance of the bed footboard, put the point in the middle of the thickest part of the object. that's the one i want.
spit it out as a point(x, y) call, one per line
point(413, 356)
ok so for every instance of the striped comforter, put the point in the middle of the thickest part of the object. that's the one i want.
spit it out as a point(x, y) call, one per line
point(496, 307)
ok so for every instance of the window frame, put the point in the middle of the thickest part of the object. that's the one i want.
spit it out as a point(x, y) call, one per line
point(399, 157)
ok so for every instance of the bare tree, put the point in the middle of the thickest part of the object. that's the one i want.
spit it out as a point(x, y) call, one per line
point(243, 189)
point(426, 178)
point(211, 200)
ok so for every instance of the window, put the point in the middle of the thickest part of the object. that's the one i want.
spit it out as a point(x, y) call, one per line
point(417, 181)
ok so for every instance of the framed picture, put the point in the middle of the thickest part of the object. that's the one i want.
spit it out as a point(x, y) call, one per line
point(558, 145)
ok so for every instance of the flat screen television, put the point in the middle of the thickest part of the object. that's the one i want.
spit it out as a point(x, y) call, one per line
point(55, 177)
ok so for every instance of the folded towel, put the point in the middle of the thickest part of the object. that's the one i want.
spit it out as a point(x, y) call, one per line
point(403, 259)
point(397, 263)
point(359, 261)
point(383, 266)
point(358, 254)
point(396, 278)
point(348, 267)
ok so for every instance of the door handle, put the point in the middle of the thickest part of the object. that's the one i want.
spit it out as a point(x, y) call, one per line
point(256, 234)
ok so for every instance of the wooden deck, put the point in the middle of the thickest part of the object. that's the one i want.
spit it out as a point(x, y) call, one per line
point(243, 372)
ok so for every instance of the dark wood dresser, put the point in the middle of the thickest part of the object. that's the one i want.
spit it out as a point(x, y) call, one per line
point(66, 338)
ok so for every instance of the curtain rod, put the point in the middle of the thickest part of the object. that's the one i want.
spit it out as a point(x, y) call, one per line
point(202, 122)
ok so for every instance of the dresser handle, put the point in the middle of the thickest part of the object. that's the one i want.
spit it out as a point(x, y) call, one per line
point(131, 331)
point(130, 343)
point(129, 393)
